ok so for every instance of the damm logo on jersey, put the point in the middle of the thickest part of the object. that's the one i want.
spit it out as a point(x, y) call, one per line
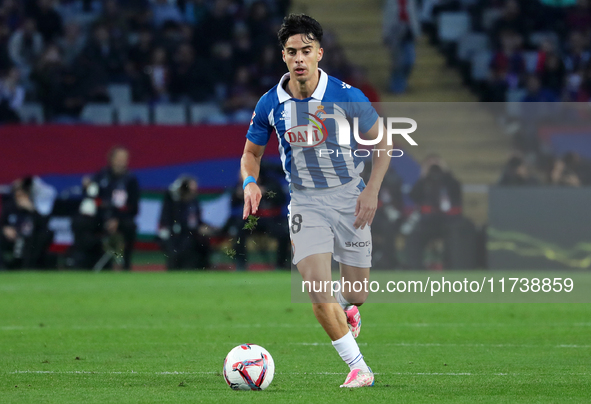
point(310, 135)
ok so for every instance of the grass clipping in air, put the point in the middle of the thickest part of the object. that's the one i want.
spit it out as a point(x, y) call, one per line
point(251, 223)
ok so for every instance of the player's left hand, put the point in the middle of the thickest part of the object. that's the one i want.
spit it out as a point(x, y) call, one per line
point(365, 210)
point(252, 198)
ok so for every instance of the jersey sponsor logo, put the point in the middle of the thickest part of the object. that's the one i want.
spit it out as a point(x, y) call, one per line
point(310, 135)
point(357, 243)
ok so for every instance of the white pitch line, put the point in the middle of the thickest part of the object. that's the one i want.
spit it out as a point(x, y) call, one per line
point(152, 327)
point(434, 344)
point(76, 372)
point(573, 346)
point(131, 372)
point(270, 325)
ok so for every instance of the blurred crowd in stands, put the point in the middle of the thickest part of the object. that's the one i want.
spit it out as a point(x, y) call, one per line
point(64, 54)
point(568, 170)
point(530, 54)
point(562, 69)
point(540, 47)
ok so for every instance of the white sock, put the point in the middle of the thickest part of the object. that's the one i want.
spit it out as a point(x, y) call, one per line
point(349, 351)
point(342, 301)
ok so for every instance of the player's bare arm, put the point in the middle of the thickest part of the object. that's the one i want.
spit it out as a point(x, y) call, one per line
point(250, 165)
point(367, 202)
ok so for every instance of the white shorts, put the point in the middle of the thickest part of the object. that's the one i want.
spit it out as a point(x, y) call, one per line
point(321, 221)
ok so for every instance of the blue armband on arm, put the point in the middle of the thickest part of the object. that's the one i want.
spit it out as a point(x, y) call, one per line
point(248, 180)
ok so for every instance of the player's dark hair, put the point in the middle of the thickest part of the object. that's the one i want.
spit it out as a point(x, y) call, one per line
point(295, 24)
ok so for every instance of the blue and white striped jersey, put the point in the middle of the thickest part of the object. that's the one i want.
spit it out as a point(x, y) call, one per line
point(326, 164)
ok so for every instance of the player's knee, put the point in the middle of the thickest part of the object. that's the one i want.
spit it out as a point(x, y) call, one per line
point(356, 298)
point(325, 308)
point(319, 306)
point(321, 298)
point(360, 298)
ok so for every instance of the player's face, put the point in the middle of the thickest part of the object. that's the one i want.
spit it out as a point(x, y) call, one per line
point(301, 57)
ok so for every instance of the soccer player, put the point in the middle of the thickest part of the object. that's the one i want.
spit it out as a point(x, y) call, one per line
point(331, 209)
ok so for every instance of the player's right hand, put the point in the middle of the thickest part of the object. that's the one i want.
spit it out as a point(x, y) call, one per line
point(252, 198)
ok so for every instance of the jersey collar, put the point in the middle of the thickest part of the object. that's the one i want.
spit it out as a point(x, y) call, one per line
point(318, 94)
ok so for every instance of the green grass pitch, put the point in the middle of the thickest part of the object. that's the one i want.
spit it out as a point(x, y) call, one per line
point(162, 338)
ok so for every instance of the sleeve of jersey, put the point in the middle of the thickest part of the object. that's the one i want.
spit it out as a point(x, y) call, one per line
point(260, 129)
point(361, 108)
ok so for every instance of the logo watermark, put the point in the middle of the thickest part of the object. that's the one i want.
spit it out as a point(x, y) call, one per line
point(314, 133)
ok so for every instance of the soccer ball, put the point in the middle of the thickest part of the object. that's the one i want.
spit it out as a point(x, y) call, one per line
point(249, 367)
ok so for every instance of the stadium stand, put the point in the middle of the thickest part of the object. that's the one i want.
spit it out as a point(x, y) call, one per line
point(120, 94)
point(207, 112)
point(121, 53)
point(133, 114)
point(31, 112)
point(452, 26)
point(530, 54)
point(98, 114)
point(170, 114)
point(523, 39)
